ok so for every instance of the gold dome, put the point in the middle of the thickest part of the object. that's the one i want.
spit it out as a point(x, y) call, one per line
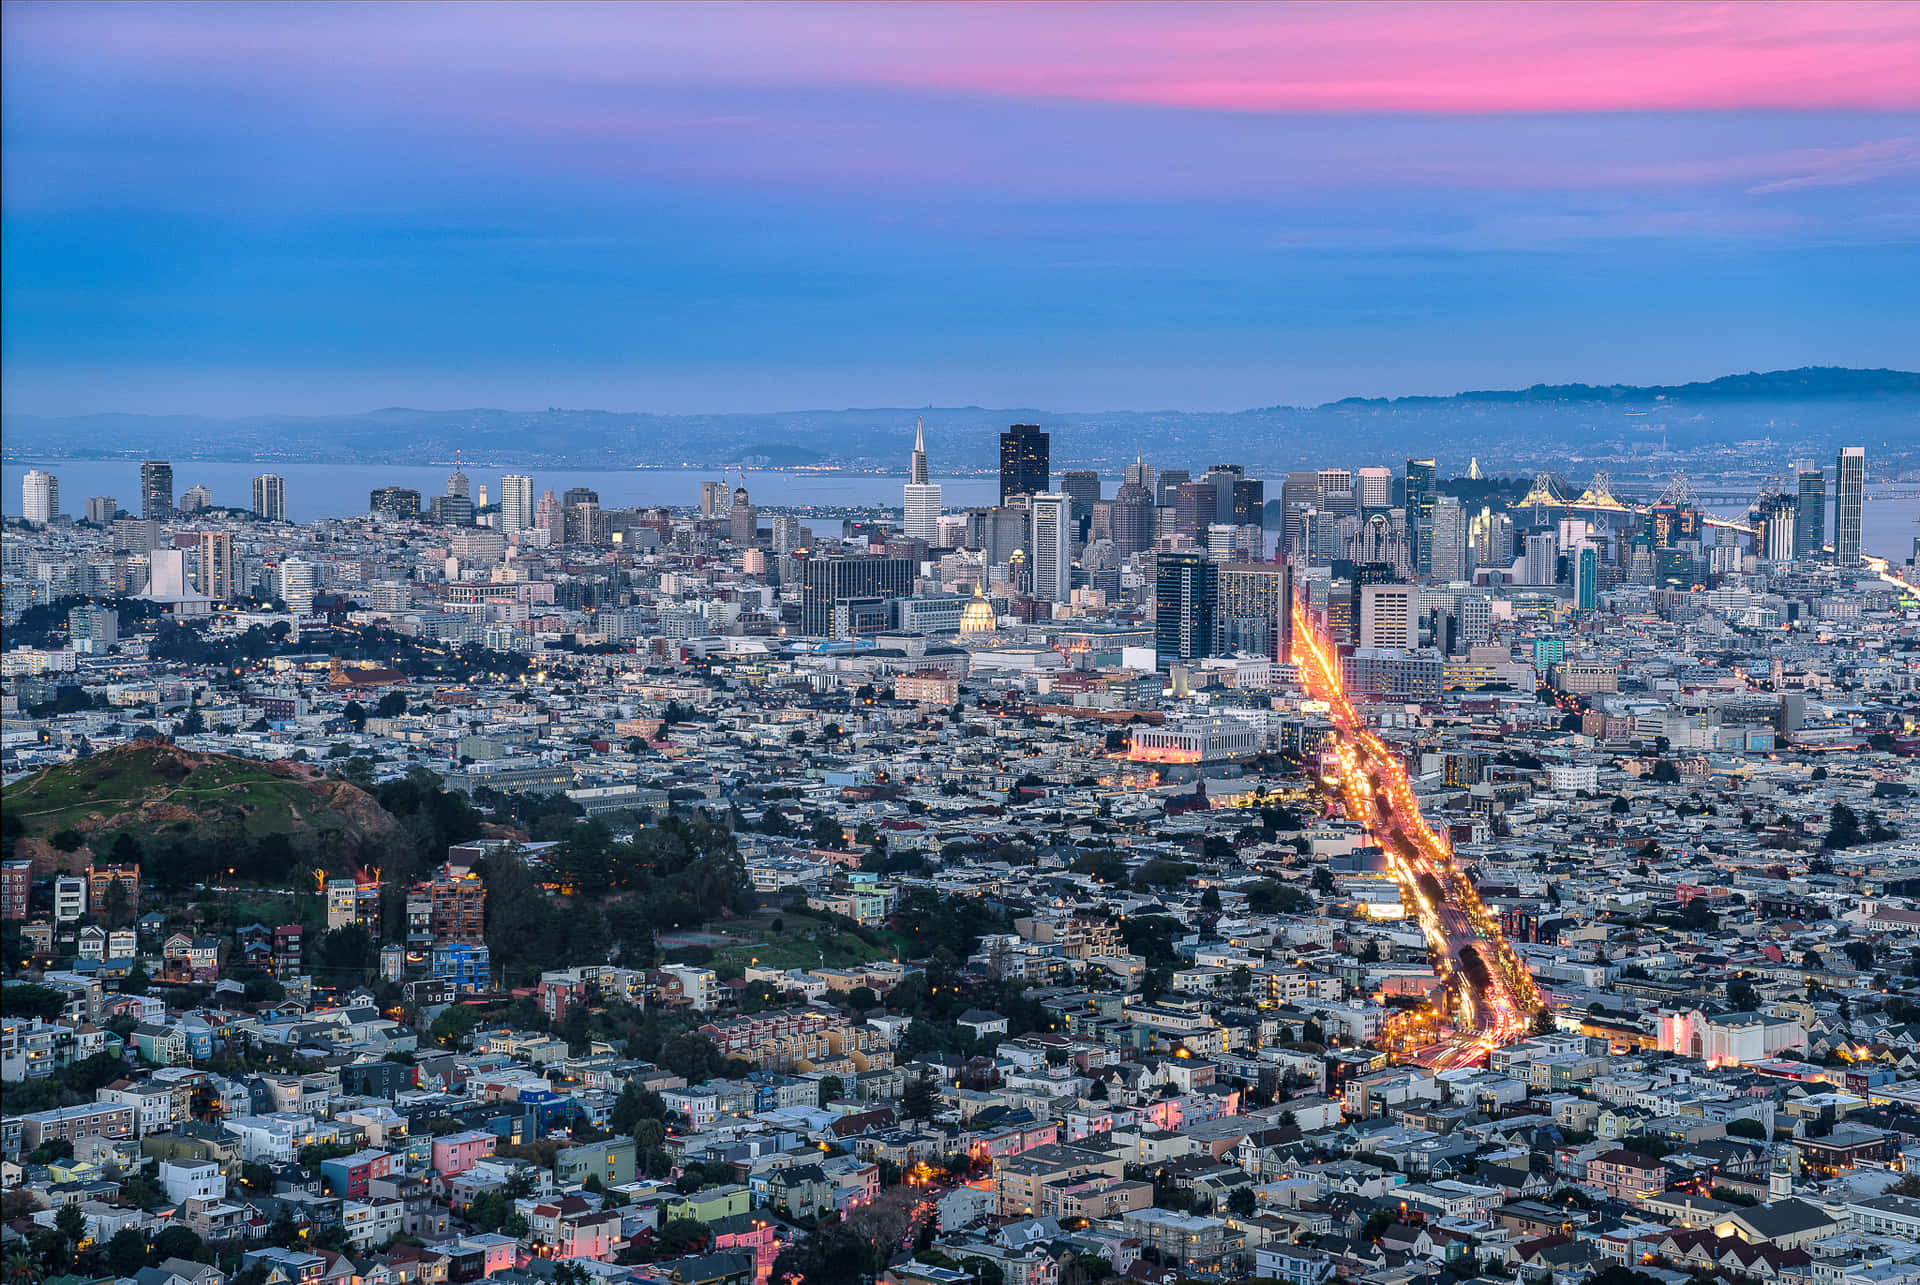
point(977, 616)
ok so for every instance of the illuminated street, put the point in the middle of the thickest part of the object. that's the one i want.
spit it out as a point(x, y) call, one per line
point(1497, 1003)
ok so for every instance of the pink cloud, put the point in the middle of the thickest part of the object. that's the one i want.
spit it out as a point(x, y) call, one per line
point(1490, 58)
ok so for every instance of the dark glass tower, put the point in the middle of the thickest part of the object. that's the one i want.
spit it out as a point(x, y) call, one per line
point(1026, 461)
point(1186, 602)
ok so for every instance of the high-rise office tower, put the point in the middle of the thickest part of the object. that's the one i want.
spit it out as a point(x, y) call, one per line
point(102, 509)
point(394, 502)
point(1448, 549)
point(452, 510)
point(1810, 512)
point(1849, 494)
point(1331, 481)
point(1375, 488)
point(1167, 485)
point(1389, 615)
point(270, 497)
point(1133, 519)
point(1249, 501)
point(1194, 505)
point(1586, 595)
point(1052, 542)
point(156, 490)
point(1140, 473)
point(1542, 565)
point(1026, 461)
point(743, 523)
point(1778, 516)
point(1084, 487)
point(39, 497)
point(295, 582)
point(457, 481)
point(713, 499)
point(577, 495)
point(1422, 479)
point(1185, 603)
point(1299, 492)
point(516, 502)
point(214, 579)
point(1254, 606)
point(827, 581)
point(920, 498)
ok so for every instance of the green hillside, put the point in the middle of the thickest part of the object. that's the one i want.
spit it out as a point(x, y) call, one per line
point(154, 789)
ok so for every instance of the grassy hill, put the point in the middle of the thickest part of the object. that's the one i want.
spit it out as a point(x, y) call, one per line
point(153, 789)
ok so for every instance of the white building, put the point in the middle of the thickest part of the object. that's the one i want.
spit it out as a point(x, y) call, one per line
point(516, 502)
point(920, 501)
point(1051, 516)
point(192, 1181)
point(1388, 616)
point(295, 584)
point(39, 497)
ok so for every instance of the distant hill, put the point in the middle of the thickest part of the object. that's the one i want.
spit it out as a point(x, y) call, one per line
point(154, 791)
point(1816, 408)
point(1804, 383)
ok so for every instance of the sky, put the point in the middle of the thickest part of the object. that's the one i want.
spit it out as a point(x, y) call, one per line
point(229, 209)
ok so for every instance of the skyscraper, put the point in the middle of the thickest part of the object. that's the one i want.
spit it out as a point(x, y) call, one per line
point(1166, 485)
point(743, 523)
point(1375, 486)
point(1185, 603)
point(1133, 519)
point(294, 582)
point(920, 499)
point(1084, 486)
point(1447, 551)
point(1586, 594)
point(713, 499)
point(39, 497)
point(1542, 559)
point(825, 581)
point(1422, 476)
point(551, 518)
point(1140, 473)
point(1026, 461)
point(1254, 606)
point(214, 579)
point(458, 482)
point(1052, 541)
point(1849, 491)
point(1778, 516)
point(102, 509)
point(516, 502)
point(270, 497)
point(156, 490)
point(1810, 515)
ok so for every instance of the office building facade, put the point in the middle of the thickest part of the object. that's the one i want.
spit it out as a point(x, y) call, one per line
point(1849, 495)
point(920, 498)
point(1026, 461)
point(825, 581)
point(1186, 602)
point(1051, 540)
point(156, 490)
point(1810, 514)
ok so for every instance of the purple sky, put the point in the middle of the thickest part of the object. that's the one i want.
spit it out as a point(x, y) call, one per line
point(233, 208)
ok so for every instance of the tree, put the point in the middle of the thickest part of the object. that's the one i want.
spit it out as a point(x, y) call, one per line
point(918, 1102)
point(71, 1223)
point(830, 1088)
point(1240, 1201)
point(1746, 1128)
point(126, 1252)
point(682, 1236)
point(356, 715)
point(1843, 828)
point(827, 833)
point(832, 1256)
point(1322, 881)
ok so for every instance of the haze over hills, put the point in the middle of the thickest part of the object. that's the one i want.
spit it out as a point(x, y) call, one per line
point(1808, 410)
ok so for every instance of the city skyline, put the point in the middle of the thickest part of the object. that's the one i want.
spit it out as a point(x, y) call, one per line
point(1197, 207)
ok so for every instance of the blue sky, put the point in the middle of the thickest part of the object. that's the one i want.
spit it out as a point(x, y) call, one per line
point(226, 209)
